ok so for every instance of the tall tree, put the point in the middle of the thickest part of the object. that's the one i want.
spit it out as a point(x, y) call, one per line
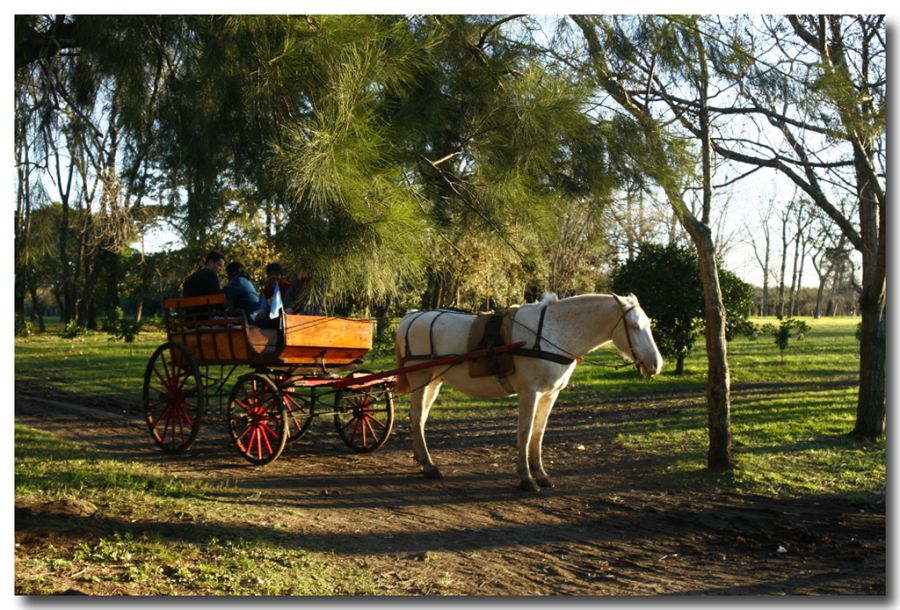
point(638, 62)
point(821, 82)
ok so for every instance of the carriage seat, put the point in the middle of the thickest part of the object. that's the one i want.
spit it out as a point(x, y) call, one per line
point(215, 333)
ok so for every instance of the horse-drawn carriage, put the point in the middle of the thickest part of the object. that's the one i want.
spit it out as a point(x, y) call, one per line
point(295, 371)
point(294, 376)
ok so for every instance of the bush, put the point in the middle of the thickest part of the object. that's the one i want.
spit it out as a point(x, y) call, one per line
point(666, 280)
point(72, 330)
point(121, 327)
point(23, 327)
point(783, 333)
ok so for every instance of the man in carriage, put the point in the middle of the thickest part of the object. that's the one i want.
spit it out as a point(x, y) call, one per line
point(205, 280)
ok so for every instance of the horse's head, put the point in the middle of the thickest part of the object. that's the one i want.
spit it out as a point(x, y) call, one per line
point(633, 338)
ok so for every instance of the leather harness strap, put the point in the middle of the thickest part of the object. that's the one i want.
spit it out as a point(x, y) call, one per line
point(623, 320)
point(537, 351)
point(534, 352)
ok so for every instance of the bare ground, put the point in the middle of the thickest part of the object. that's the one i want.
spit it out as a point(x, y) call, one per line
point(611, 526)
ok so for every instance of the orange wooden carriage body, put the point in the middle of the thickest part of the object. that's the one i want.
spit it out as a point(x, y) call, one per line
point(299, 341)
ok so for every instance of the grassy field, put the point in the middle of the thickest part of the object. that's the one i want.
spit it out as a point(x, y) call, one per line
point(789, 420)
point(789, 424)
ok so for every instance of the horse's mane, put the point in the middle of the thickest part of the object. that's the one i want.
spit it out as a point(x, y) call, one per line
point(549, 297)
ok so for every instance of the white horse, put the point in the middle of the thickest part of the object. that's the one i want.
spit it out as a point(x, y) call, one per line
point(569, 328)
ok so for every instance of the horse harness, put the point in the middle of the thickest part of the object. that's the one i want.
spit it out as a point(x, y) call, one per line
point(491, 339)
point(634, 359)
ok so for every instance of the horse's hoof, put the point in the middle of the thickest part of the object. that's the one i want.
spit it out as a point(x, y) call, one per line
point(545, 482)
point(434, 474)
point(529, 485)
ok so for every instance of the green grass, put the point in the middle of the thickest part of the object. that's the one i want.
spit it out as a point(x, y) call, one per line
point(788, 419)
point(154, 534)
point(91, 364)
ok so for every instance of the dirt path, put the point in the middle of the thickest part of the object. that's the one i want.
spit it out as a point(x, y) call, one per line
point(609, 527)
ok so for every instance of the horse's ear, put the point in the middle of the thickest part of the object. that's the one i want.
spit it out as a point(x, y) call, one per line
point(631, 297)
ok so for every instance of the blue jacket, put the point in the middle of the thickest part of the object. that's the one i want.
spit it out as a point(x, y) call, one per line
point(243, 295)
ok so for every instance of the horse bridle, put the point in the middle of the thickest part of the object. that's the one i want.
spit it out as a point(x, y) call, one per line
point(634, 359)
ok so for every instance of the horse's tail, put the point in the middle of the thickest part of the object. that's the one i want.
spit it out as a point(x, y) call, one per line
point(402, 386)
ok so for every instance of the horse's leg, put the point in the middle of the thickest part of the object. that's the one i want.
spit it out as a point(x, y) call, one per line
point(420, 402)
point(527, 406)
point(536, 461)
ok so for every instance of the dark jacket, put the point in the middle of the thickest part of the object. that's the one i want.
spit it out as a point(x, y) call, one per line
point(242, 294)
point(201, 282)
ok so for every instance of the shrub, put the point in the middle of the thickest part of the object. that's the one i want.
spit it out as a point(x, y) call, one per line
point(782, 333)
point(23, 327)
point(72, 330)
point(121, 327)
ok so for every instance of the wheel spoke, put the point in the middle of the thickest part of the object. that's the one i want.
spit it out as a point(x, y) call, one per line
point(264, 433)
point(171, 377)
point(368, 424)
point(255, 414)
point(243, 406)
point(240, 437)
point(362, 426)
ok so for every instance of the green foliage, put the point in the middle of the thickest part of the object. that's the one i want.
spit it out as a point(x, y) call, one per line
point(73, 330)
point(363, 150)
point(738, 298)
point(666, 280)
point(23, 327)
point(788, 328)
point(120, 327)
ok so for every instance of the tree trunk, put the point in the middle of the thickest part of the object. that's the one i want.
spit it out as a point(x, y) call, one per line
point(870, 406)
point(779, 307)
point(36, 312)
point(718, 394)
point(112, 281)
point(820, 296)
point(800, 272)
point(718, 384)
point(679, 364)
point(792, 296)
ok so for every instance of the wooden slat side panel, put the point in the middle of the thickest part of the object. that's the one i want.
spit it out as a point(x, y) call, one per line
point(325, 332)
point(221, 346)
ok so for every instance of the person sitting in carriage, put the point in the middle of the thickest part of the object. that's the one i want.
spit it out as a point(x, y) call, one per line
point(240, 290)
point(205, 280)
point(275, 275)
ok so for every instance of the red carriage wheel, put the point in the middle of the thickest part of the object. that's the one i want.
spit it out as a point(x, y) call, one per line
point(299, 407)
point(257, 418)
point(173, 397)
point(364, 417)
